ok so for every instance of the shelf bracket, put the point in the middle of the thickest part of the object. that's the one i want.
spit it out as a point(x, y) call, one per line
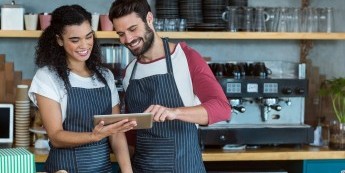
point(305, 47)
point(305, 3)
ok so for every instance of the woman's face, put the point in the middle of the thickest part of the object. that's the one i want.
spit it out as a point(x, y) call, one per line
point(77, 41)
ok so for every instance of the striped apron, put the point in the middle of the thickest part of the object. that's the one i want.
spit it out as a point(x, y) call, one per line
point(170, 146)
point(82, 105)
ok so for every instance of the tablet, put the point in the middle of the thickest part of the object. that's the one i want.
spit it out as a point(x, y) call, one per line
point(144, 120)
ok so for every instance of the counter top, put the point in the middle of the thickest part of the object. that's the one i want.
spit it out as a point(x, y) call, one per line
point(258, 154)
point(273, 153)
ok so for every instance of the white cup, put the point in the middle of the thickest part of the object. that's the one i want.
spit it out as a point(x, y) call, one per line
point(22, 93)
point(95, 21)
point(31, 21)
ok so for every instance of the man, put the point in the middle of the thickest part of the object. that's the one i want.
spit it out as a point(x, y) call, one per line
point(168, 80)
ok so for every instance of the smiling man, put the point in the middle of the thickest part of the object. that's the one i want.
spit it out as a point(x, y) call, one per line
point(172, 82)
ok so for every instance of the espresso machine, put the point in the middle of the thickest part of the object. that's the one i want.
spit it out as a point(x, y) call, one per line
point(116, 57)
point(267, 101)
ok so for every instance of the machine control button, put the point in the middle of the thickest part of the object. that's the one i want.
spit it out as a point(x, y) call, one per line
point(276, 107)
point(222, 138)
point(241, 109)
point(288, 102)
point(287, 91)
point(252, 87)
point(299, 91)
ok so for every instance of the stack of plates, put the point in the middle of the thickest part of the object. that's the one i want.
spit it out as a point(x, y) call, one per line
point(212, 15)
point(167, 9)
point(191, 10)
point(22, 123)
point(240, 3)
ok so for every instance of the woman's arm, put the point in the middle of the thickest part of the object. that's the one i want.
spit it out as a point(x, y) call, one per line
point(119, 145)
point(52, 120)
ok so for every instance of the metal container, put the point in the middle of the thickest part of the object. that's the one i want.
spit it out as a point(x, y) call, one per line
point(116, 57)
point(12, 17)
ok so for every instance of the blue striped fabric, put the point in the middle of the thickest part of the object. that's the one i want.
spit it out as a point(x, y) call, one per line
point(83, 104)
point(170, 146)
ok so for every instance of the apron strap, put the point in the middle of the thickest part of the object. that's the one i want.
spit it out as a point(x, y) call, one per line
point(134, 69)
point(167, 55)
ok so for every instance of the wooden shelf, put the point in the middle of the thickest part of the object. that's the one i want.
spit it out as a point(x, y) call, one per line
point(260, 154)
point(203, 35)
point(20, 34)
point(253, 35)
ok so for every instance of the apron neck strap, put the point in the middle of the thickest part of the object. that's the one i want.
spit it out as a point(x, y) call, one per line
point(167, 55)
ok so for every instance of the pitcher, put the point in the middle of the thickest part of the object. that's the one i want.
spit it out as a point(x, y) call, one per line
point(230, 16)
point(260, 19)
point(247, 19)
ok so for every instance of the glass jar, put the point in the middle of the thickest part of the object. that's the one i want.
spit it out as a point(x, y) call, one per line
point(337, 135)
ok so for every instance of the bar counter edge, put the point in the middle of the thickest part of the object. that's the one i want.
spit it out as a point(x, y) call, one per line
point(304, 152)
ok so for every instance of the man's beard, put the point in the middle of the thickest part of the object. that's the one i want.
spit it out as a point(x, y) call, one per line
point(147, 42)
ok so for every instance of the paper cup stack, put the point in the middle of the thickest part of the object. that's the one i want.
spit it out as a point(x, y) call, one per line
point(22, 117)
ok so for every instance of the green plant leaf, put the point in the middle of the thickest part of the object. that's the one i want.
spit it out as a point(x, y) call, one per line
point(335, 88)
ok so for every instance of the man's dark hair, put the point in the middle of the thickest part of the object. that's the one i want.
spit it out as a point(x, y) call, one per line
point(121, 8)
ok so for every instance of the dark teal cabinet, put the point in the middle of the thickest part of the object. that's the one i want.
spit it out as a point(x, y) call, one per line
point(324, 166)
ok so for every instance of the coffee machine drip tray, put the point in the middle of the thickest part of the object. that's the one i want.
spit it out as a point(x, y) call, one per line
point(255, 134)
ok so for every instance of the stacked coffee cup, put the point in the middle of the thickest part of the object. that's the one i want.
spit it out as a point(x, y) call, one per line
point(22, 117)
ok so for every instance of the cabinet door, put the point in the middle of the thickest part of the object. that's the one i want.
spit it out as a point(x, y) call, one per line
point(324, 166)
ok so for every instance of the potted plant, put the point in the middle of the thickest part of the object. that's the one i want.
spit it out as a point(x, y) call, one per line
point(335, 89)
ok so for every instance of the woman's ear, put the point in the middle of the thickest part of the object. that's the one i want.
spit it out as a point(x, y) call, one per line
point(59, 40)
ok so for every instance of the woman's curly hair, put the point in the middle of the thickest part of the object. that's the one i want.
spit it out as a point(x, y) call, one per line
point(49, 53)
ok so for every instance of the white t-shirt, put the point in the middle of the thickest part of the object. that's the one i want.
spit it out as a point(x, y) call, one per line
point(48, 84)
point(180, 69)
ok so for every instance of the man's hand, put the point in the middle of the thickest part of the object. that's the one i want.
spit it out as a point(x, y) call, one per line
point(161, 113)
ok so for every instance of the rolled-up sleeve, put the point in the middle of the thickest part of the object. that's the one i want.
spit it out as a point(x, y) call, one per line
point(207, 88)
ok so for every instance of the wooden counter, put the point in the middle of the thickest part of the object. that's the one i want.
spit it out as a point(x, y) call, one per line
point(273, 153)
point(259, 154)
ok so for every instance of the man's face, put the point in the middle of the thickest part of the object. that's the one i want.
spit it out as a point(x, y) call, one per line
point(136, 35)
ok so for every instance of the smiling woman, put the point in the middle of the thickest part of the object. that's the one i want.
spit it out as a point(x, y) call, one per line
point(77, 40)
point(69, 88)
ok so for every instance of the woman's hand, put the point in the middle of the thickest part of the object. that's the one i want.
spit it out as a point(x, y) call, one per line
point(161, 113)
point(101, 131)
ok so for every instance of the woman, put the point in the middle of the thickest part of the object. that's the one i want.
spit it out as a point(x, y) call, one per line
point(69, 88)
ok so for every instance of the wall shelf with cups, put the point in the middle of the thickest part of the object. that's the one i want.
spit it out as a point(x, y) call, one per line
point(203, 35)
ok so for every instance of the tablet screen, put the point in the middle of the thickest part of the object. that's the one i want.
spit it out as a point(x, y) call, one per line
point(144, 120)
